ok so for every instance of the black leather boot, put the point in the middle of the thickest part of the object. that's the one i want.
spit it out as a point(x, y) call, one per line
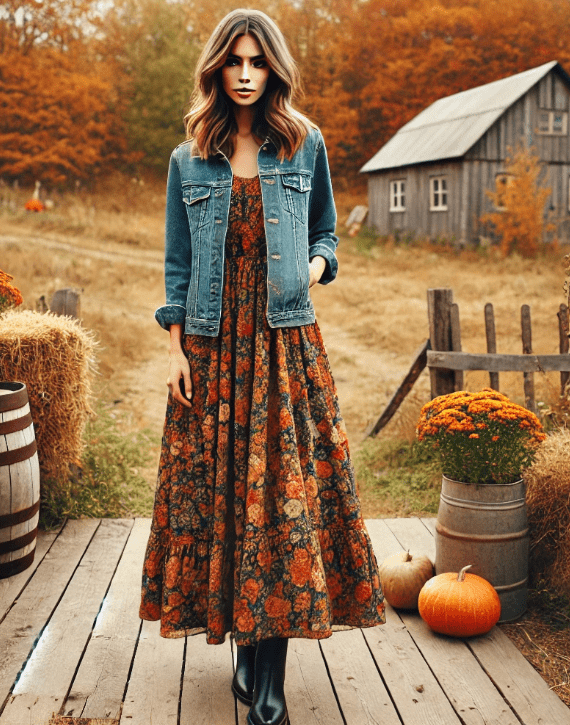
point(244, 676)
point(268, 707)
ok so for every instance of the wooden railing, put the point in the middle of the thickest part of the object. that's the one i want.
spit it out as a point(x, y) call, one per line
point(443, 355)
point(447, 362)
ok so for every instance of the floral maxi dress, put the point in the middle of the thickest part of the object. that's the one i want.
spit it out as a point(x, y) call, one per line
point(257, 528)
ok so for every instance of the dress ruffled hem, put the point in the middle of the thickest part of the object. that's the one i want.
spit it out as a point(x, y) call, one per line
point(344, 596)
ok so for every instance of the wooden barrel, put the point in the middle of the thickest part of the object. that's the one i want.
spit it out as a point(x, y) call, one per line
point(486, 525)
point(19, 481)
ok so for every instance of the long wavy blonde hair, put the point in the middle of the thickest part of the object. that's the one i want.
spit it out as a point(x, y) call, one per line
point(210, 122)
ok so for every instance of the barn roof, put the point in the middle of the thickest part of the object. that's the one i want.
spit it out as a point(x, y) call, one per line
point(449, 127)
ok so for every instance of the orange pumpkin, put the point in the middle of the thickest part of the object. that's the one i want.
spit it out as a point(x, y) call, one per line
point(461, 605)
point(402, 576)
point(34, 205)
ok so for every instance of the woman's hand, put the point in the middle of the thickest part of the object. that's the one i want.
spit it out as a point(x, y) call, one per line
point(316, 268)
point(179, 368)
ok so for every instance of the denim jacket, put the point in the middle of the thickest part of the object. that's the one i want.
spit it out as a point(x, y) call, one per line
point(300, 217)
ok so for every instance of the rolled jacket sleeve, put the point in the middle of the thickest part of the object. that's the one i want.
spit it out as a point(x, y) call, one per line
point(178, 252)
point(322, 215)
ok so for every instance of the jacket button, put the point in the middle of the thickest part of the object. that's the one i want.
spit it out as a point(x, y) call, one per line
point(273, 221)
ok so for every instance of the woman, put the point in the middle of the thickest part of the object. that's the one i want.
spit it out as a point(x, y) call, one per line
point(257, 529)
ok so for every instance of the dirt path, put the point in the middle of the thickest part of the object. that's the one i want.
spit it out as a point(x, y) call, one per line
point(365, 378)
point(110, 253)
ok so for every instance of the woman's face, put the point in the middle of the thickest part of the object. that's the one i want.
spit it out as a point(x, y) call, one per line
point(245, 72)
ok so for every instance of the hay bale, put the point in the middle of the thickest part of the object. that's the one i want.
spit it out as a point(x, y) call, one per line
point(548, 507)
point(54, 356)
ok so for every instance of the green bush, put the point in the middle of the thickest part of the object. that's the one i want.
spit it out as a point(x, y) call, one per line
point(108, 483)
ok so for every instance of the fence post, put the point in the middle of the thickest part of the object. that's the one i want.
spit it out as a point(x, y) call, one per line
point(527, 350)
point(564, 333)
point(66, 302)
point(440, 301)
point(456, 343)
point(490, 334)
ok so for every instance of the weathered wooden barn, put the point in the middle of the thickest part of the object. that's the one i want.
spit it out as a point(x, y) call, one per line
point(430, 178)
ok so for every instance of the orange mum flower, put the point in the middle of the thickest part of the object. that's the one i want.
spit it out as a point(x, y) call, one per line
point(461, 428)
point(10, 296)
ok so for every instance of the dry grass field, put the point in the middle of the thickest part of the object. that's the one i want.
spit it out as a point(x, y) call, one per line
point(373, 319)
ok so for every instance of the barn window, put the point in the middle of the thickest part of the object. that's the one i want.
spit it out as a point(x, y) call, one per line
point(438, 193)
point(398, 195)
point(559, 120)
point(553, 123)
point(502, 182)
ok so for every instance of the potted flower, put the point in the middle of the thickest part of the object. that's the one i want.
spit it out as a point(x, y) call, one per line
point(484, 442)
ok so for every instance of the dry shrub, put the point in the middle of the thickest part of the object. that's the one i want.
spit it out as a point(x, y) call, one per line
point(54, 357)
point(557, 411)
point(548, 502)
point(403, 425)
point(519, 198)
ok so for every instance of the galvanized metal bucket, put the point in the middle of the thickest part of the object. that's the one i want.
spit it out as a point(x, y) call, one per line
point(485, 525)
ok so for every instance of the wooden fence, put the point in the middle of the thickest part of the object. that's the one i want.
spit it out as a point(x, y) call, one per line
point(447, 362)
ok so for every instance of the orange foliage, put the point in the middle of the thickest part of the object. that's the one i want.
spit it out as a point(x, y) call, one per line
point(10, 296)
point(519, 220)
point(370, 66)
point(58, 121)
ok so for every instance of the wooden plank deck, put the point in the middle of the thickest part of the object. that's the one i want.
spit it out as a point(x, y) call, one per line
point(71, 644)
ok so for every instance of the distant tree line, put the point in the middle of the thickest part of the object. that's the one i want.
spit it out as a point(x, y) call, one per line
point(84, 90)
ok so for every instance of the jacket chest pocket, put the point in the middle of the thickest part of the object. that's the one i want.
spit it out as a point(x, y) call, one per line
point(197, 200)
point(296, 188)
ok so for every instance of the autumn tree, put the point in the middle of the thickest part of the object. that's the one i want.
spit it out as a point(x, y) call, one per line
point(58, 121)
point(519, 199)
point(369, 66)
point(155, 54)
point(319, 32)
point(203, 17)
point(48, 23)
